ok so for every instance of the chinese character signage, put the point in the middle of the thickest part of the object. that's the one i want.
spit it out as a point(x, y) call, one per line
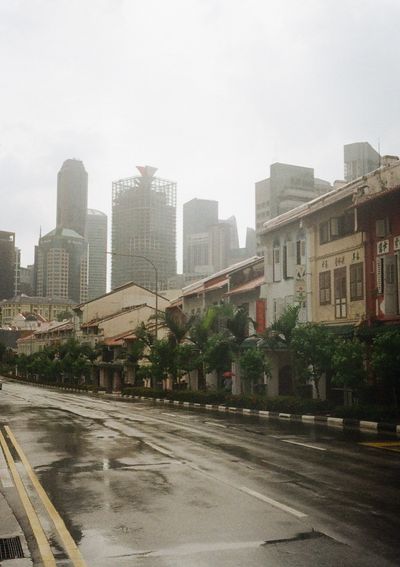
point(382, 247)
point(396, 242)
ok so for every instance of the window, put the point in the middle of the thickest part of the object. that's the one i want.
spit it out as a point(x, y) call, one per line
point(336, 227)
point(339, 276)
point(277, 264)
point(323, 232)
point(325, 288)
point(391, 288)
point(382, 227)
point(379, 275)
point(284, 262)
point(356, 281)
point(300, 252)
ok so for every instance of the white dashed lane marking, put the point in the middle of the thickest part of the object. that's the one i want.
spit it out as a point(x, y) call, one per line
point(303, 444)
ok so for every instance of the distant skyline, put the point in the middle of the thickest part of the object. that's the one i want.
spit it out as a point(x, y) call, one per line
point(211, 92)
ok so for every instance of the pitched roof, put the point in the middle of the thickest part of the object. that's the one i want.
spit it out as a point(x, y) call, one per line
point(97, 321)
point(117, 289)
point(248, 286)
point(206, 283)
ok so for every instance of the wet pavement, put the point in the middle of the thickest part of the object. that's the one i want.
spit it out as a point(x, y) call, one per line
point(157, 486)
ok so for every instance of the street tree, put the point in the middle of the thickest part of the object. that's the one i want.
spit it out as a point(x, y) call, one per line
point(348, 364)
point(312, 349)
point(253, 365)
point(385, 361)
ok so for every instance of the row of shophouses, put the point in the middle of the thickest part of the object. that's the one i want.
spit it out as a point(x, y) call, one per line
point(337, 257)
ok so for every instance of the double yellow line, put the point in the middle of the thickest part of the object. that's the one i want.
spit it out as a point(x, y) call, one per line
point(42, 542)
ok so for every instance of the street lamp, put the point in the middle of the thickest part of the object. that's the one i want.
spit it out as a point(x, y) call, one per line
point(155, 274)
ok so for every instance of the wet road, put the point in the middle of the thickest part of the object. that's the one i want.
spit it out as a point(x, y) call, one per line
point(148, 485)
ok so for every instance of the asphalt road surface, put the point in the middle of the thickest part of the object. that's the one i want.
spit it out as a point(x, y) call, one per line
point(142, 484)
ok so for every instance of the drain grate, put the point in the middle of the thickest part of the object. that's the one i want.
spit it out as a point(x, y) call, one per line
point(10, 548)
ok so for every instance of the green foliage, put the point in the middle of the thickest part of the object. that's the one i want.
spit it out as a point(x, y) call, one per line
point(348, 368)
point(71, 359)
point(281, 331)
point(177, 323)
point(144, 335)
point(253, 365)
point(287, 323)
point(218, 353)
point(188, 357)
point(162, 360)
point(312, 347)
point(385, 360)
point(238, 325)
point(202, 327)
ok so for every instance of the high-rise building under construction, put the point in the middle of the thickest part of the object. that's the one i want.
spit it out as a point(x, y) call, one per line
point(143, 230)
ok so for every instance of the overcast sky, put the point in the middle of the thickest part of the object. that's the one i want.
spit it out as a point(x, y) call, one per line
point(209, 91)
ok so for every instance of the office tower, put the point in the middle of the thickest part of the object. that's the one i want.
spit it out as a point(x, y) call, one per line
point(234, 238)
point(251, 246)
point(17, 272)
point(26, 280)
point(61, 256)
point(198, 216)
point(143, 224)
point(287, 187)
point(7, 264)
point(220, 239)
point(72, 196)
point(61, 261)
point(96, 234)
point(360, 158)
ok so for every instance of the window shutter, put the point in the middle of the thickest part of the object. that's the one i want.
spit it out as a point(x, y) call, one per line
point(381, 228)
point(379, 275)
point(291, 259)
point(269, 265)
point(390, 285)
point(334, 227)
point(277, 265)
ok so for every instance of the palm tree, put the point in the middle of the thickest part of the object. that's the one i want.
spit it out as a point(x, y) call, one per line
point(280, 334)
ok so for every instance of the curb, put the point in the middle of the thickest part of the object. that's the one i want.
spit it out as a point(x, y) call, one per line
point(334, 422)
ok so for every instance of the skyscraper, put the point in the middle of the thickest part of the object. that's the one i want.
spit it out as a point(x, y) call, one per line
point(198, 216)
point(360, 158)
point(287, 187)
point(61, 269)
point(143, 224)
point(96, 232)
point(61, 261)
point(7, 264)
point(72, 196)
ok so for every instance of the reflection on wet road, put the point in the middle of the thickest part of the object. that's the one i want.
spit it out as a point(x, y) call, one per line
point(137, 484)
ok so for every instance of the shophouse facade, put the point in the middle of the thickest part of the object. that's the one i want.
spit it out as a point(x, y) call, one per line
point(345, 263)
point(378, 215)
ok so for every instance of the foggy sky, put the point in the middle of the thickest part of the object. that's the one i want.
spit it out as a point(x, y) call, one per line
point(209, 91)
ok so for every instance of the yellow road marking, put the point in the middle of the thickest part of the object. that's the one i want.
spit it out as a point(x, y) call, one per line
point(43, 544)
point(69, 544)
point(387, 445)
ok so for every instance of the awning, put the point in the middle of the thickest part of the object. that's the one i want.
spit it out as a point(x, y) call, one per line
point(205, 289)
point(248, 286)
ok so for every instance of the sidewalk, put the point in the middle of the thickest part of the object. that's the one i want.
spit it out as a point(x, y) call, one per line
point(10, 528)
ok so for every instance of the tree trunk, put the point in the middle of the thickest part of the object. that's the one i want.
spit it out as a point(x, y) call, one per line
point(316, 384)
